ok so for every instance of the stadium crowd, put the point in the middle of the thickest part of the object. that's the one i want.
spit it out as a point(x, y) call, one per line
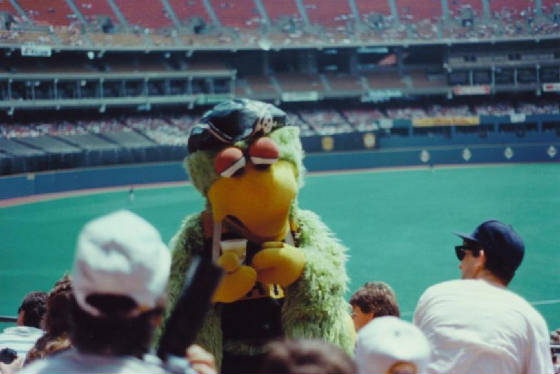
point(173, 130)
point(464, 22)
point(102, 317)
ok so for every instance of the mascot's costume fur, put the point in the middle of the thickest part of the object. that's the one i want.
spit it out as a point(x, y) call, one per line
point(285, 272)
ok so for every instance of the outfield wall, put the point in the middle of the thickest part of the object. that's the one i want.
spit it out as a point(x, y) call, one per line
point(77, 179)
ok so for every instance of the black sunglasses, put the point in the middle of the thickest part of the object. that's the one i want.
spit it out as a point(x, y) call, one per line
point(461, 250)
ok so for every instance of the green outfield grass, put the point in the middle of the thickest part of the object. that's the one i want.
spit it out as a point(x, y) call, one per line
point(397, 225)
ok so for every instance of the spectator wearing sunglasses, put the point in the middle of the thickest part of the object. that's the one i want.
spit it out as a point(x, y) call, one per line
point(475, 324)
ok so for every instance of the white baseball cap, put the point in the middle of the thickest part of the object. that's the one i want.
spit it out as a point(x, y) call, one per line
point(120, 254)
point(386, 341)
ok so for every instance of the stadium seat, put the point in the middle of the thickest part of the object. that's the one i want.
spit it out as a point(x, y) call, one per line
point(53, 12)
point(510, 8)
point(456, 6)
point(328, 13)
point(367, 7)
point(414, 11)
point(281, 9)
point(94, 8)
point(144, 13)
point(186, 10)
point(237, 13)
point(6, 6)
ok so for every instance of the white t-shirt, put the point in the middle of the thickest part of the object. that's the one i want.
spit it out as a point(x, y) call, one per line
point(20, 338)
point(476, 327)
point(74, 362)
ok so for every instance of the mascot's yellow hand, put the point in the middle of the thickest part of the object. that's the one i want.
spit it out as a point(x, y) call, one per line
point(279, 263)
point(229, 261)
point(235, 285)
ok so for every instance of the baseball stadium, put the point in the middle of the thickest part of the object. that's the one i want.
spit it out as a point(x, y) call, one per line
point(417, 120)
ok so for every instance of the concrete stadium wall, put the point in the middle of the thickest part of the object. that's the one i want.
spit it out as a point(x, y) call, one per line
point(77, 179)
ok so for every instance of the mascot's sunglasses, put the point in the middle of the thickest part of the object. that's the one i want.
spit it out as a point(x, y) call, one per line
point(461, 250)
point(234, 121)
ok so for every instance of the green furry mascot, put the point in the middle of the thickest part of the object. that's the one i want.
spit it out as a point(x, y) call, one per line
point(285, 272)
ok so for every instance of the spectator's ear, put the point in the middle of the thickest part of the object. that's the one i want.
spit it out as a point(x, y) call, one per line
point(482, 255)
point(480, 261)
point(20, 318)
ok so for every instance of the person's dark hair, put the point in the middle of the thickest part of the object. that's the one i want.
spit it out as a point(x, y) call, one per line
point(497, 267)
point(376, 297)
point(494, 264)
point(33, 306)
point(57, 322)
point(59, 306)
point(306, 356)
point(112, 333)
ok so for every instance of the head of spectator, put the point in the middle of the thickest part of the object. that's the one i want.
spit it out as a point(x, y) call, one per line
point(57, 322)
point(492, 252)
point(373, 299)
point(120, 275)
point(32, 309)
point(119, 281)
point(306, 356)
point(389, 345)
point(21, 338)
point(59, 302)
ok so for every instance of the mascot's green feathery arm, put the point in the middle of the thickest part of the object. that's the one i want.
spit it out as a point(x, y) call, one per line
point(314, 305)
point(264, 210)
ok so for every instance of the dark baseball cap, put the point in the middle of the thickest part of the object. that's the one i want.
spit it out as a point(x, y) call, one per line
point(234, 120)
point(498, 240)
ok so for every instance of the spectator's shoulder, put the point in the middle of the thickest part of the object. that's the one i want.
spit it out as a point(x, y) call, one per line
point(443, 287)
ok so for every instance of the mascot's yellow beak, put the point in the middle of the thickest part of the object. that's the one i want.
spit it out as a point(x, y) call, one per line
point(259, 200)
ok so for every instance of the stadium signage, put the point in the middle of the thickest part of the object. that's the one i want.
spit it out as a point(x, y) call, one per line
point(369, 140)
point(211, 99)
point(517, 118)
point(446, 121)
point(300, 96)
point(31, 50)
point(385, 123)
point(472, 90)
point(381, 95)
point(551, 87)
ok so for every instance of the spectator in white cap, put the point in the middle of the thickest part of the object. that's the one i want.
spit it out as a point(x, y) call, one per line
point(475, 324)
point(389, 345)
point(120, 275)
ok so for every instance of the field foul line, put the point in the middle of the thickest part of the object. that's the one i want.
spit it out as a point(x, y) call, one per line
point(546, 302)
